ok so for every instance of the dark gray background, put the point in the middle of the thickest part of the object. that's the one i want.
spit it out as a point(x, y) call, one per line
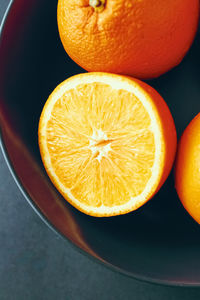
point(36, 264)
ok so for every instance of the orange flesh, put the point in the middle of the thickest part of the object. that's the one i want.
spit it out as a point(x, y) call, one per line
point(100, 143)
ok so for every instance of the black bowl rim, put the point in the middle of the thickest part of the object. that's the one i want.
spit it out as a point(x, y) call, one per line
point(106, 264)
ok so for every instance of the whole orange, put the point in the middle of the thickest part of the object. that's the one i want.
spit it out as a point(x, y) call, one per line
point(142, 38)
point(187, 171)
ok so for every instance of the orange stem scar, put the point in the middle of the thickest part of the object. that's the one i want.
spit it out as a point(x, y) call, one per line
point(98, 5)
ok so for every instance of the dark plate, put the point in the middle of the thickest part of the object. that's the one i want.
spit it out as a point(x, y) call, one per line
point(160, 242)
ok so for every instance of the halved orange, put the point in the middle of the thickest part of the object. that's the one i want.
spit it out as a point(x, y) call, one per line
point(107, 142)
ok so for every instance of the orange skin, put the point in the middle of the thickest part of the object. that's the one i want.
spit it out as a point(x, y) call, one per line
point(187, 171)
point(141, 38)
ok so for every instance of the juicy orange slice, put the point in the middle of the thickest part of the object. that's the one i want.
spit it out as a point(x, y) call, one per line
point(107, 142)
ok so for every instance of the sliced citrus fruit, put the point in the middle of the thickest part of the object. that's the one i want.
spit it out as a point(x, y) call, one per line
point(107, 142)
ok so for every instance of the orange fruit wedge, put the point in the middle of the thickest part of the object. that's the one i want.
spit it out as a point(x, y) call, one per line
point(107, 142)
point(187, 170)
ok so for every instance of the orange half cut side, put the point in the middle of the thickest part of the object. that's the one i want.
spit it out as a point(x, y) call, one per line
point(107, 142)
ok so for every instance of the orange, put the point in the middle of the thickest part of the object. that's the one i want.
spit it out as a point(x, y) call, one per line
point(187, 171)
point(140, 38)
point(107, 142)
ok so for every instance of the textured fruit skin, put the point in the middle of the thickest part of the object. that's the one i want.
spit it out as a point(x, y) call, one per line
point(187, 170)
point(140, 38)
